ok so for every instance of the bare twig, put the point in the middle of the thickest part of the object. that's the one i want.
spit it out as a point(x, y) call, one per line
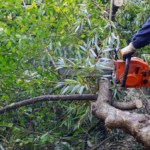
point(24, 3)
point(51, 58)
point(104, 141)
point(111, 8)
point(143, 95)
point(87, 135)
point(146, 102)
point(65, 16)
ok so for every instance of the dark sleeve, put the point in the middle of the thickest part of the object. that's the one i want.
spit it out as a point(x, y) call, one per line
point(142, 37)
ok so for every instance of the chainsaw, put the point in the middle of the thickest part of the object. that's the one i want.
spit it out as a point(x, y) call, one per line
point(131, 73)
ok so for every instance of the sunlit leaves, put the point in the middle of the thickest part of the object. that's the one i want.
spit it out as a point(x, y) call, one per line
point(37, 39)
point(71, 86)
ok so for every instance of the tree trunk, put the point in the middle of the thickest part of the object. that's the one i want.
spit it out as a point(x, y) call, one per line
point(138, 125)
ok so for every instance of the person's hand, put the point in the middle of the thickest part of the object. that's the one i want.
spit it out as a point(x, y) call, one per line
point(127, 51)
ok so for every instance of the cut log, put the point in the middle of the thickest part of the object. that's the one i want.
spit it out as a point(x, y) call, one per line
point(138, 125)
point(129, 105)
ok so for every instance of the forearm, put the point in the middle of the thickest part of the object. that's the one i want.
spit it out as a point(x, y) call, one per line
point(142, 37)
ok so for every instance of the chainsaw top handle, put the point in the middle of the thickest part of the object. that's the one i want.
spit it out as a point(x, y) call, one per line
point(125, 72)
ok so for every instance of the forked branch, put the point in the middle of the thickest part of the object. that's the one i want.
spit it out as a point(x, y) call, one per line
point(138, 125)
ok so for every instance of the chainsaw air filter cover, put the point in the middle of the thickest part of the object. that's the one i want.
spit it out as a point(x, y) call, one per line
point(138, 73)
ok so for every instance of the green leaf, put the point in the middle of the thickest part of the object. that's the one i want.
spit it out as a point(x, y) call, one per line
point(9, 124)
point(75, 89)
point(66, 89)
point(1, 147)
point(81, 89)
point(82, 48)
point(89, 143)
point(80, 79)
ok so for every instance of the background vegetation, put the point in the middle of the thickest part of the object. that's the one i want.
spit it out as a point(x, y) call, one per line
point(37, 38)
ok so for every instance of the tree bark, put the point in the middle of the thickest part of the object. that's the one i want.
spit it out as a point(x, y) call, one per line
point(77, 97)
point(49, 98)
point(128, 106)
point(138, 125)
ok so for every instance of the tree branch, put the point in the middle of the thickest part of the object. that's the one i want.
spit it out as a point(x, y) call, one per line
point(24, 3)
point(138, 125)
point(87, 135)
point(128, 106)
point(51, 58)
point(96, 147)
point(49, 98)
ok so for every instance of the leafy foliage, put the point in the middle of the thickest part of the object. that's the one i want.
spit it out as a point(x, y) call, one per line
point(39, 37)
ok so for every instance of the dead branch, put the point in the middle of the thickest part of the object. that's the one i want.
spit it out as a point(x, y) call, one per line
point(101, 143)
point(61, 98)
point(87, 135)
point(138, 125)
point(49, 98)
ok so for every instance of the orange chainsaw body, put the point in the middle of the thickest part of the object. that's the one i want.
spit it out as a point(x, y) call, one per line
point(138, 73)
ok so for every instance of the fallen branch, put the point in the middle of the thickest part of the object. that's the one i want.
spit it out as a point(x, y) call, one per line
point(119, 105)
point(48, 98)
point(128, 106)
point(138, 125)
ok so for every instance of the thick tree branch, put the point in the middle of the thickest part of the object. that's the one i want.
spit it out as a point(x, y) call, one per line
point(49, 98)
point(128, 106)
point(64, 98)
point(138, 125)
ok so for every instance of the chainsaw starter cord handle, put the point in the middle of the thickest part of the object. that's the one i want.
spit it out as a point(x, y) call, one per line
point(126, 71)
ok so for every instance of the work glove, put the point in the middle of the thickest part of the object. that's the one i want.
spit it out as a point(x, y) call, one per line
point(127, 51)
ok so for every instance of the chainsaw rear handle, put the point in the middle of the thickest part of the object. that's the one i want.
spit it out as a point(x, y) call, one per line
point(126, 71)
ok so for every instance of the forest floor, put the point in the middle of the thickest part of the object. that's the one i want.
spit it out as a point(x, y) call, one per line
point(128, 143)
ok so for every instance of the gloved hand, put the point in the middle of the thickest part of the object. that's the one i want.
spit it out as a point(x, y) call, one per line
point(127, 51)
